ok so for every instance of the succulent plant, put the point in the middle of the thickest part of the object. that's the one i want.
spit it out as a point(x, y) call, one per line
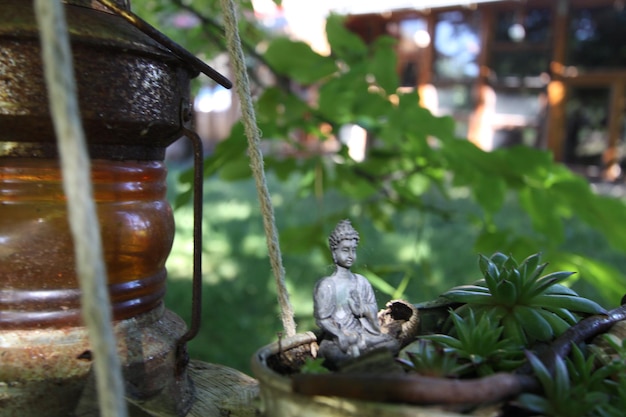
point(611, 361)
point(561, 397)
point(529, 306)
point(479, 344)
point(428, 358)
point(314, 366)
point(576, 387)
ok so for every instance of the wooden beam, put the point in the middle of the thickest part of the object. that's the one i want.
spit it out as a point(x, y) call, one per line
point(614, 128)
point(427, 54)
point(480, 131)
point(555, 126)
point(426, 91)
point(590, 3)
point(593, 78)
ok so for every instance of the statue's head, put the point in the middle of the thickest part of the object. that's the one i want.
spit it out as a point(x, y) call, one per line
point(343, 231)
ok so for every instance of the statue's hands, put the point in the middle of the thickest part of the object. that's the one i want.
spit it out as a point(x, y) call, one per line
point(347, 339)
point(355, 305)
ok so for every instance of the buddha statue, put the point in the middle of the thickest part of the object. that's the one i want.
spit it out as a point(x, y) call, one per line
point(345, 307)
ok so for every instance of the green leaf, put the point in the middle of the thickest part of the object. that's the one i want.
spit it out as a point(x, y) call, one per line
point(236, 169)
point(527, 164)
point(541, 206)
point(344, 44)
point(534, 403)
point(609, 281)
point(506, 293)
point(413, 135)
point(529, 265)
point(379, 283)
point(499, 259)
point(468, 163)
point(575, 304)
point(561, 379)
point(542, 284)
point(505, 239)
point(510, 263)
point(490, 193)
point(512, 330)
point(531, 279)
point(489, 271)
point(469, 297)
point(464, 329)
point(560, 289)
point(183, 198)
point(441, 127)
point(275, 107)
point(473, 288)
point(489, 240)
point(355, 186)
point(599, 211)
point(541, 372)
point(314, 366)
point(297, 60)
point(383, 64)
point(418, 184)
point(536, 327)
point(304, 237)
point(370, 108)
point(445, 340)
point(559, 325)
point(563, 313)
point(339, 96)
point(231, 149)
point(404, 283)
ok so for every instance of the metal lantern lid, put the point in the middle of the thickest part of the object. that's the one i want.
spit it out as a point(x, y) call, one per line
point(133, 90)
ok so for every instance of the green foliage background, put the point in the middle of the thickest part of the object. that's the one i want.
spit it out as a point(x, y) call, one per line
point(420, 188)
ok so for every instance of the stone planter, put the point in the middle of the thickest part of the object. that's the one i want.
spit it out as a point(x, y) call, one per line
point(279, 399)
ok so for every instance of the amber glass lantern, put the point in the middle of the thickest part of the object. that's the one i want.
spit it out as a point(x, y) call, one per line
point(134, 96)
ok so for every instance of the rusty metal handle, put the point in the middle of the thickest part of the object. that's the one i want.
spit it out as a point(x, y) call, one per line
point(196, 303)
point(183, 54)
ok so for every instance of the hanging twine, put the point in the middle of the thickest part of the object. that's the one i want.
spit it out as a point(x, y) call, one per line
point(242, 86)
point(63, 103)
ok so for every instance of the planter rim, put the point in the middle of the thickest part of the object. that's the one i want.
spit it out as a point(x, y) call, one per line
point(259, 361)
point(279, 399)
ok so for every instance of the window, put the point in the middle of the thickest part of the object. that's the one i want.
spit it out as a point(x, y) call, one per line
point(457, 46)
point(413, 38)
point(586, 135)
point(521, 45)
point(596, 37)
point(536, 24)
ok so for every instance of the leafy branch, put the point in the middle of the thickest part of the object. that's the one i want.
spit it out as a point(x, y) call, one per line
point(412, 151)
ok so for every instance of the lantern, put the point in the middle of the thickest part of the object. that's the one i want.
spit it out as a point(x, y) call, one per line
point(134, 101)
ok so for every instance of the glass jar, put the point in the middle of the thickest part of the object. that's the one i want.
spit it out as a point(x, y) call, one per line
point(38, 283)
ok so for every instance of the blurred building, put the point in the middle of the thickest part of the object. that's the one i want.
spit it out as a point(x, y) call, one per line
point(546, 73)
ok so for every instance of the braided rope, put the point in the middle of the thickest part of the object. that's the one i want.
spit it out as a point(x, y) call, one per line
point(242, 86)
point(75, 164)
